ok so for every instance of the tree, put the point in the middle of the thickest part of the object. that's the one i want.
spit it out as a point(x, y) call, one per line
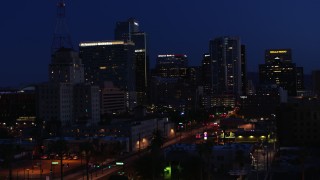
point(205, 151)
point(142, 165)
point(60, 147)
point(157, 141)
point(156, 144)
point(239, 158)
point(87, 149)
point(8, 151)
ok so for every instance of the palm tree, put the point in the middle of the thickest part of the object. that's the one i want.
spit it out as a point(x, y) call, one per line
point(156, 144)
point(239, 158)
point(157, 141)
point(205, 151)
point(60, 147)
point(87, 149)
point(8, 151)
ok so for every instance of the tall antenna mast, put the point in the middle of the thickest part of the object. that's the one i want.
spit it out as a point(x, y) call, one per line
point(61, 37)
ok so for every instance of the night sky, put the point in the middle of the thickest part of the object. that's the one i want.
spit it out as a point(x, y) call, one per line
point(173, 26)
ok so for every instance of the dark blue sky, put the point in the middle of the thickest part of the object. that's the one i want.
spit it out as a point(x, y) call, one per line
point(173, 26)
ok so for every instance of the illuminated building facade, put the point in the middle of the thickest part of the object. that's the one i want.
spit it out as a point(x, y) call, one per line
point(173, 82)
point(109, 61)
point(17, 106)
point(224, 76)
point(66, 99)
point(142, 66)
point(125, 29)
point(172, 65)
point(207, 74)
point(279, 69)
point(225, 54)
point(129, 31)
point(263, 102)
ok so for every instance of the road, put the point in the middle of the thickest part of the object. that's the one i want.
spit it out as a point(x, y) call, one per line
point(43, 169)
point(105, 172)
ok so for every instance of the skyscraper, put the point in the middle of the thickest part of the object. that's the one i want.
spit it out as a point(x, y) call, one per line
point(172, 65)
point(225, 53)
point(279, 69)
point(206, 73)
point(244, 81)
point(111, 61)
point(125, 29)
point(65, 100)
point(129, 31)
point(66, 67)
point(316, 83)
point(142, 66)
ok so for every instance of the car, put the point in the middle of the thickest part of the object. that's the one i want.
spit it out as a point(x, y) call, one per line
point(44, 157)
point(75, 157)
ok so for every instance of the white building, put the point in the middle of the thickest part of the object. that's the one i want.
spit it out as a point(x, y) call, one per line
point(142, 131)
point(55, 102)
point(65, 99)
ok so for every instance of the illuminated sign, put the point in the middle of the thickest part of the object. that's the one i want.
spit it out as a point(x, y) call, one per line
point(119, 163)
point(278, 52)
point(101, 43)
point(139, 50)
point(205, 135)
point(172, 55)
point(166, 55)
point(54, 162)
point(26, 118)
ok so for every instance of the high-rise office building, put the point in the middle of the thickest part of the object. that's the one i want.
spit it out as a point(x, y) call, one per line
point(113, 99)
point(207, 74)
point(125, 29)
point(86, 104)
point(17, 106)
point(66, 67)
point(111, 61)
point(129, 31)
point(225, 54)
point(142, 66)
point(316, 83)
point(244, 81)
point(279, 69)
point(55, 103)
point(174, 83)
point(65, 100)
point(171, 65)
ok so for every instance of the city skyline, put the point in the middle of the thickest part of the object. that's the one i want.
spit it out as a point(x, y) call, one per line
point(172, 28)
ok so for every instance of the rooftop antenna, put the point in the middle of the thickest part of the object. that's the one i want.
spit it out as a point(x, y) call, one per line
point(61, 37)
